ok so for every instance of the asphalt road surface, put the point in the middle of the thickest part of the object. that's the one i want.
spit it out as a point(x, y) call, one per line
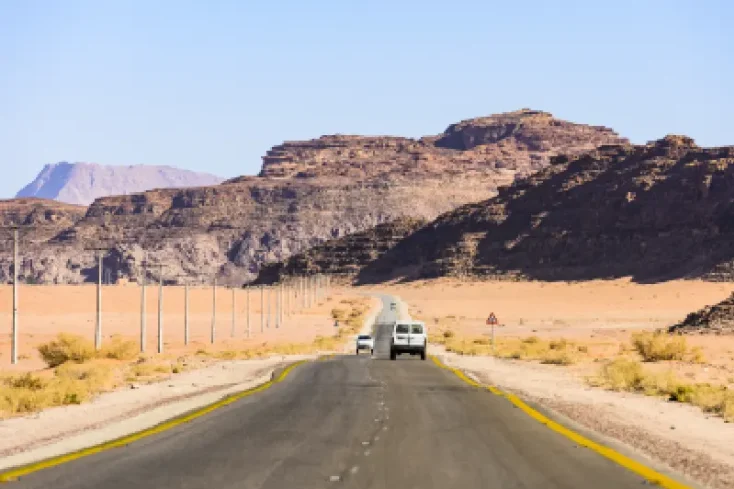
point(353, 422)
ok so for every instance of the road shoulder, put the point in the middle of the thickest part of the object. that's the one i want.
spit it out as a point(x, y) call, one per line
point(674, 436)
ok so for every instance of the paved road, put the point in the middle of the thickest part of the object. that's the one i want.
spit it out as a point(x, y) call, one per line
point(370, 422)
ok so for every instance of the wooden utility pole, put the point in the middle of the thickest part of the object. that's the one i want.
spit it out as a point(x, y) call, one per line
point(214, 311)
point(247, 295)
point(234, 312)
point(99, 250)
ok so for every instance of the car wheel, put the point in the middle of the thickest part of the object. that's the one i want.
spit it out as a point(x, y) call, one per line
point(393, 355)
point(423, 355)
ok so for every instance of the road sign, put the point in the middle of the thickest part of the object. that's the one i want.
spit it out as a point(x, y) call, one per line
point(492, 320)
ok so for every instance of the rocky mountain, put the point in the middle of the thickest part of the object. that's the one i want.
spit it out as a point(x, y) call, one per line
point(657, 211)
point(307, 193)
point(342, 258)
point(82, 183)
point(716, 319)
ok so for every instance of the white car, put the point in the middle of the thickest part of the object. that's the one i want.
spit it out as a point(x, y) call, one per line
point(409, 337)
point(365, 342)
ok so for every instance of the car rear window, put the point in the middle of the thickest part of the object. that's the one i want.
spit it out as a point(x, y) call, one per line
point(417, 329)
point(402, 328)
point(364, 337)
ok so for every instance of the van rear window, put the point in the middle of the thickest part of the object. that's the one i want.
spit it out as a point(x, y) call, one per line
point(402, 328)
point(417, 329)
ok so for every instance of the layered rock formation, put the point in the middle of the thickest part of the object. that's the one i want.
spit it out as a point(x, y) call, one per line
point(307, 193)
point(716, 319)
point(342, 258)
point(657, 211)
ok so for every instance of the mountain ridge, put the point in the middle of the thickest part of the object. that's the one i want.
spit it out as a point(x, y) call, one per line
point(81, 183)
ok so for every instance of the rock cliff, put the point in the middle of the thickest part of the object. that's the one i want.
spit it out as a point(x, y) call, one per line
point(342, 258)
point(654, 212)
point(308, 192)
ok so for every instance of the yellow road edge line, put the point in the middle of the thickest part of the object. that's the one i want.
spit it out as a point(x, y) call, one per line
point(649, 474)
point(14, 473)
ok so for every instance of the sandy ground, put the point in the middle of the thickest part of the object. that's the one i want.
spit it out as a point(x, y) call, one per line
point(44, 311)
point(602, 314)
point(680, 436)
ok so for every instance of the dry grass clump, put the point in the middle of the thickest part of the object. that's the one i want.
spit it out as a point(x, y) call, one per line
point(532, 348)
point(338, 313)
point(120, 349)
point(66, 348)
point(658, 346)
point(624, 374)
point(71, 384)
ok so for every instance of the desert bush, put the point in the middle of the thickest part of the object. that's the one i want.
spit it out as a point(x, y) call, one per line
point(622, 374)
point(696, 355)
point(72, 384)
point(448, 334)
point(66, 348)
point(119, 349)
point(531, 340)
point(556, 357)
point(338, 313)
point(654, 347)
point(559, 344)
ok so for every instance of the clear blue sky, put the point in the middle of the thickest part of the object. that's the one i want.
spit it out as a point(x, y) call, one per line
point(211, 85)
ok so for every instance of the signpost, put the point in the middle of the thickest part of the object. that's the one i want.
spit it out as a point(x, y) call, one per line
point(492, 321)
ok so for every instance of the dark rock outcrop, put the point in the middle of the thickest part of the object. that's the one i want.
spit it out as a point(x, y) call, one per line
point(716, 319)
point(342, 258)
point(658, 211)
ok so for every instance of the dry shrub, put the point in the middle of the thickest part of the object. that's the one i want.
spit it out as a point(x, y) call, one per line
point(119, 349)
point(66, 348)
point(559, 344)
point(557, 357)
point(531, 340)
point(448, 334)
point(338, 313)
point(622, 374)
point(654, 347)
point(72, 384)
point(696, 355)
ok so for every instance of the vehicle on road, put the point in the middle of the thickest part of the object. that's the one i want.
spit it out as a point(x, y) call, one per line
point(409, 336)
point(365, 342)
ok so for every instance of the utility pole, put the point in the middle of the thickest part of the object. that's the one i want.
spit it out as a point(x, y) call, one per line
point(269, 301)
point(186, 313)
point(287, 293)
point(303, 289)
point(143, 310)
point(277, 306)
point(14, 340)
point(214, 310)
point(262, 309)
point(160, 309)
point(234, 312)
point(98, 325)
point(247, 295)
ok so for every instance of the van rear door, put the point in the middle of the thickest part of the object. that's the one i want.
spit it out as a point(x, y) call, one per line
point(417, 335)
point(402, 334)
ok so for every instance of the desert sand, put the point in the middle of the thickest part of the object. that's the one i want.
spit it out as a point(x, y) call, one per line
point(45, 311)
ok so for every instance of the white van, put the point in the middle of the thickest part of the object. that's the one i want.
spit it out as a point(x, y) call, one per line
point(409, 336)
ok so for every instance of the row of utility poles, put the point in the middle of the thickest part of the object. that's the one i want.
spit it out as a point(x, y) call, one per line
point(291, 295)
